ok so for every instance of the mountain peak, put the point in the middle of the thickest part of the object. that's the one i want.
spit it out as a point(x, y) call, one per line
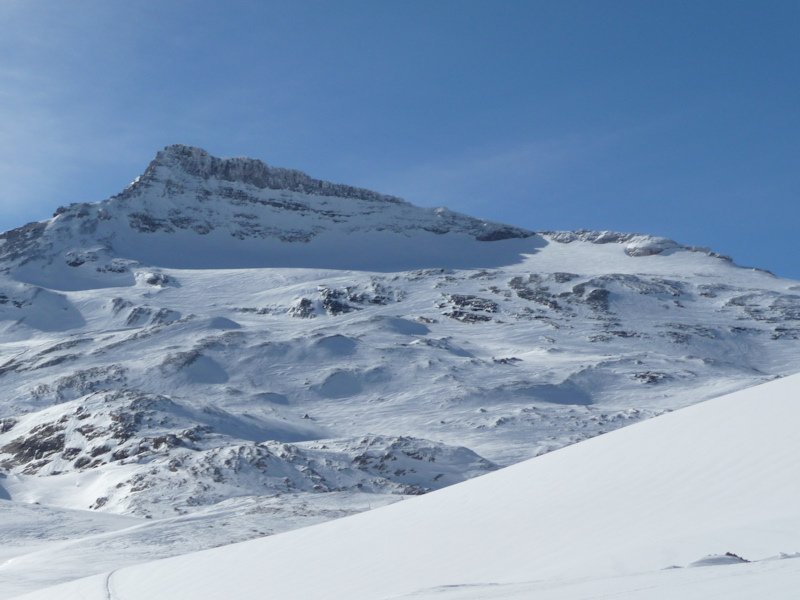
point(180, 159)
point(190, 209)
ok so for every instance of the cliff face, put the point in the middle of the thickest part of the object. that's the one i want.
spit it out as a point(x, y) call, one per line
point(197, 163)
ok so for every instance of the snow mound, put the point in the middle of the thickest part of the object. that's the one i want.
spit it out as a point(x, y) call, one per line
point(223, 323)
point(715, 560)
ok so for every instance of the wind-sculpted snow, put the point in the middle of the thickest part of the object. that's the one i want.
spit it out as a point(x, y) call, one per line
point(131, 386)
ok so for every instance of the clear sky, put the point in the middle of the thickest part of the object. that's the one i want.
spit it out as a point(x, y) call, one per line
point(674, 118)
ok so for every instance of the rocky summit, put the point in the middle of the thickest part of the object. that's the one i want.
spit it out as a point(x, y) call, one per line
point(225, 342)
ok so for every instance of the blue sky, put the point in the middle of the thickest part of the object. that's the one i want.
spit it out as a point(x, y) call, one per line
point(675, 118)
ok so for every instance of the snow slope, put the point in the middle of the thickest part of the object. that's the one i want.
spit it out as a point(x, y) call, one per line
point(41, 546)
point(603, 517)
point(225, 341)
point(211, 374)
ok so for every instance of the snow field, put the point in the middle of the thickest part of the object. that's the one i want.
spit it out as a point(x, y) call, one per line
point(712, 478)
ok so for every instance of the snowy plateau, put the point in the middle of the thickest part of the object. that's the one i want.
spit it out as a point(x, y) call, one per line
point(226, 350)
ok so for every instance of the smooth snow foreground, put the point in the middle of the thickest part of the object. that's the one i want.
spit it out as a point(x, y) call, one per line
point(607, 517)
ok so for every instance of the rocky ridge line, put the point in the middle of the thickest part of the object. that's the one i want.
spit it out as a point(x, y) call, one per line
point(196, 162)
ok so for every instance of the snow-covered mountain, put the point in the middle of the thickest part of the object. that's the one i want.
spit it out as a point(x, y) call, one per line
point(227, 342)
point(190, 210)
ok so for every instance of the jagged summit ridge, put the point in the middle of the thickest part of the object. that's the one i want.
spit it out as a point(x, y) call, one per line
point(284, 194)
point(193, 210)
point(196, 162)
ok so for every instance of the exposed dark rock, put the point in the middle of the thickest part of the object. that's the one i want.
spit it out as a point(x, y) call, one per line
point(333, 302)
point(99, 503)
point(467, 317)
point(165, 315)
point(115, 266)
point(651, 377)
point(586, 235)
point(144, 223)
point(426, 320)
point(653, 286)
point(70, 453)
point(199, 163)
point(698, 330)
point(90, 431)
point(503, 233)
point(58, 360)
point(533, 291)
point(158, 279)
point(94, 452)
point(625, 334)
point(119, 304)
point(22, 243)
point(382, 295)
point(82, 462)
point(179, 360)
point(474, 303)
point(7, 424)
point(138, 316)
point(506, 361)
point(677, 337)
point(785, 333)
point(64, 346)
point(597, 300)
point(83, 382)
point(33, 467)
point(539, 296)
point(615, 333)
point(75, 261)
point(40, 442)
